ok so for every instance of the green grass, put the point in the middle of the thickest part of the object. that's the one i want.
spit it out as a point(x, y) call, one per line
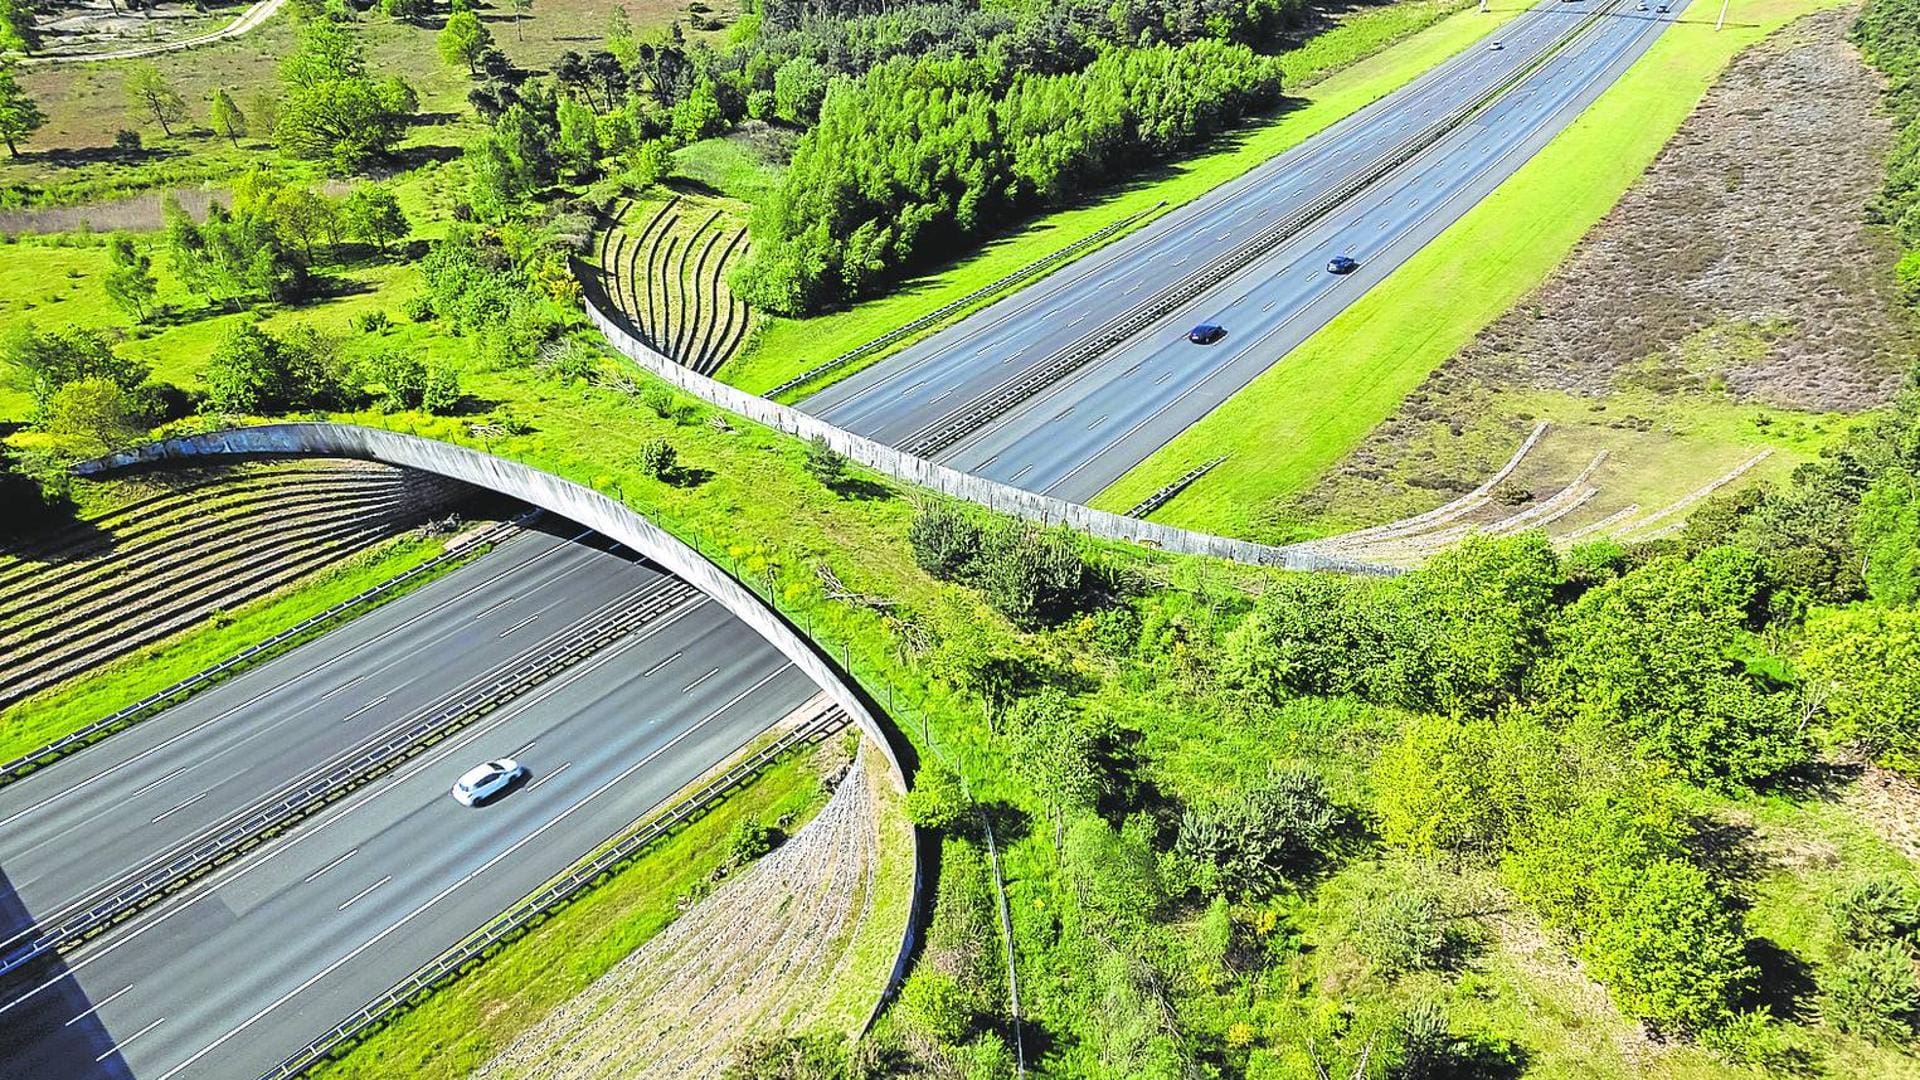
point(457, 1029)
point(729, 166)
point(39, 720)
point(1315, 405)
point(786, 347)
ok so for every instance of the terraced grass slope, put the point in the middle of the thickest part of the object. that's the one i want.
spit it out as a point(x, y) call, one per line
point(664, 265)
point(202, 542)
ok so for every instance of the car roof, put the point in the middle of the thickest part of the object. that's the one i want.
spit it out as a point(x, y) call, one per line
point(1206, 326)
point(480, 772)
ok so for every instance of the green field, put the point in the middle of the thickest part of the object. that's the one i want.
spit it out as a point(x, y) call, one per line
point(787, 347)
point(1316, 403)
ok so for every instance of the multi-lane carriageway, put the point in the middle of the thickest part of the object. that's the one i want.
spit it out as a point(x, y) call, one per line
point(229, 975)
point(1078, 434)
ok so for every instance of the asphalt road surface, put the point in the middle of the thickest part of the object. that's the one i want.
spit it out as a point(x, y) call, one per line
point(235, 973)
point(1084, 432)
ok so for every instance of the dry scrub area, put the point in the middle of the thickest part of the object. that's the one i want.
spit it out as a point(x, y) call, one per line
point(1733, 300)
point(771, 950)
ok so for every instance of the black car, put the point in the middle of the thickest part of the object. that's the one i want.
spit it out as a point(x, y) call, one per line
point(1206, 334)
point(1341, 264)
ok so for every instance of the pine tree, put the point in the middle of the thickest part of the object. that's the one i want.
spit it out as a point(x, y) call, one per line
point(20, 115)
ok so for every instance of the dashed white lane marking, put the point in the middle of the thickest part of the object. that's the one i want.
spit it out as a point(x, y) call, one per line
point(363, 893)
point(156, 783)
point(311, 878)
point(688, 689)
point(117, 1047)
point(564, 766)
point(649, 672)
point(182, 806)
point(523, 622)
point(103, 1004)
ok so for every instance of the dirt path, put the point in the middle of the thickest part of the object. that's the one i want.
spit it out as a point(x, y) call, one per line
point(260, 12)
point(762, 954)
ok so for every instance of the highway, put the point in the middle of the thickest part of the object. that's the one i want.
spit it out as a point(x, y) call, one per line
point(1083, 432)
point(232, 974)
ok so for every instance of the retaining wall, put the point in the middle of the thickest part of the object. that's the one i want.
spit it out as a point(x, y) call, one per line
point(949, 481)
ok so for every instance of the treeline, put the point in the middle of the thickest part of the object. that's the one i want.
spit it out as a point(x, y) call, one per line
point(919, 156)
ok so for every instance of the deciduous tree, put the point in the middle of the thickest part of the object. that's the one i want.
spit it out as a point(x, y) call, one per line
point(151, 94)
point(129, 280)
point(226, 116)
point(20, 115)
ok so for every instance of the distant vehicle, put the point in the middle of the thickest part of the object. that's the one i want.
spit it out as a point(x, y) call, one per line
point(1664, 8)
point(1341, 264)
point(482, 782)
point(1495, 47)
point(1206, 334)
point(1643, 7)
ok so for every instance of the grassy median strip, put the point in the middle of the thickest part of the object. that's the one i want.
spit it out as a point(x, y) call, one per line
point(32, 724)
point(1316, 404)
point(455, 1030)
point(786, 347)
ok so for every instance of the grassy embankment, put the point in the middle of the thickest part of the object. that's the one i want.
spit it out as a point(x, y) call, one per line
point(1364, 67)
point(1307, 411)
point(458, 1028)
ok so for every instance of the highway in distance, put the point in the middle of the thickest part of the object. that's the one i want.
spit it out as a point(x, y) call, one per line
point(242, 968)
point(1076, 436)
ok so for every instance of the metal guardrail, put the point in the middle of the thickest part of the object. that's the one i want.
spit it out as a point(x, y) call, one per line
point(939, 314)
point(984, 408)
point(557, 894)
point(1166, 492)
point(270, 816)
point(99, 729)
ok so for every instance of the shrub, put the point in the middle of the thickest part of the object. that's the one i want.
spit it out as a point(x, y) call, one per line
point(748, 841)
point(658, 459)
point(372, 322)
point(1877, 909)
point(1404, 931)
point(825, 464)
point(945, 539)
point(1873, 993)
point(937, 799)
point(1247, 845)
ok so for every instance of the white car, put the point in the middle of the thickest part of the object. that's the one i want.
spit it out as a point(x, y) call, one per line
point(485, 781)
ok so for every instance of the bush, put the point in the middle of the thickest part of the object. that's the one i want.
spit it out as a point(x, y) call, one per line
point(1877, 909)
point(1873, 993)
point(1246, 846)
point(945, 539)
point(658, 459)
point(1404, 931)
point(748, 841)
point(938, 798)
point(1031, 576)
point(826, 464)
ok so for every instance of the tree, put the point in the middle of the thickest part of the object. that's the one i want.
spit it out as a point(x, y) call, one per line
point(371, 214)
point(799, 85)
point(227, 118)
point(129, 280)
point(254, 372)
point(826, 464)
point(20, 115)
point(1651, 657)
point(463, 39)
point(99, 412)
point(1863, 666)
point(658, 459)
point(401, 377)
point(150, 94)
point(18, 34)
point(331, 109)
point(521, 8)
point(50, 359)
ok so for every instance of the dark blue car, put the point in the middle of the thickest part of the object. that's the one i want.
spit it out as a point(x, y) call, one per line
point(1341, 264)
point(1206, 334)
